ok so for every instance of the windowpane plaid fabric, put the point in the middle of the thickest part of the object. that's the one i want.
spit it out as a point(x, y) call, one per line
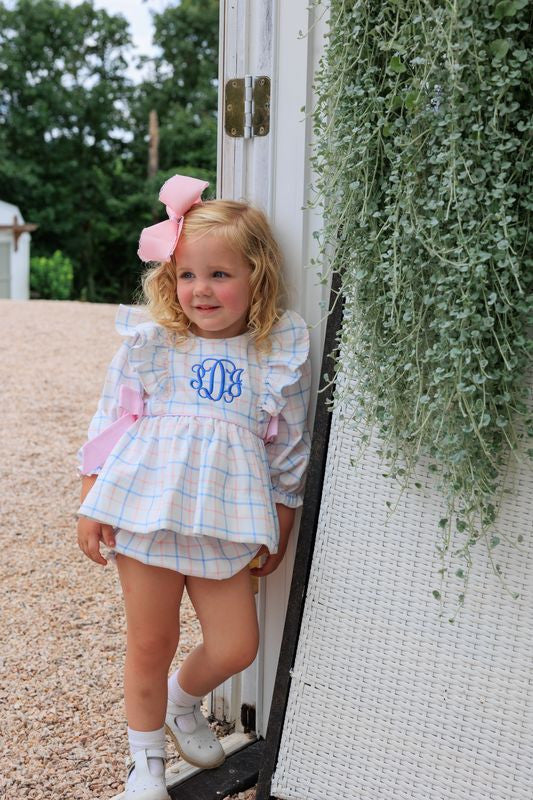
point(195, 463)
point(200, 556)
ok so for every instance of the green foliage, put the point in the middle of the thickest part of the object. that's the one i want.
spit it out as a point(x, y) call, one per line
point(182, 89)
point(74, 130)
point(188, 65)
point(51, 278)
point(423, 159)
point(62, 92)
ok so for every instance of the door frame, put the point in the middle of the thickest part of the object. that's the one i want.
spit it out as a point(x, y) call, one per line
point(283, 41)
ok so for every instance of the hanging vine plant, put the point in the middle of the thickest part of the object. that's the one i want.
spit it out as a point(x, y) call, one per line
point(423, 152)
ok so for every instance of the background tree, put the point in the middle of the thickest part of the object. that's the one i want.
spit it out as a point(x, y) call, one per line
point(182, 89)
point(74, 129)
point(62, 94)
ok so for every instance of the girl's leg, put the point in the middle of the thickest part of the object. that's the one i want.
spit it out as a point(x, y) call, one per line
point(226, 611)
point(152, 597)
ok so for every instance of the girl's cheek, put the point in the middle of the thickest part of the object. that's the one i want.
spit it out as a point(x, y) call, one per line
point(184, 296)
point(230, 297)
point(222, 294)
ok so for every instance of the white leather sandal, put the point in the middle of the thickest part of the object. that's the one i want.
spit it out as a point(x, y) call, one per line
point(145, 786)
point(200, 748)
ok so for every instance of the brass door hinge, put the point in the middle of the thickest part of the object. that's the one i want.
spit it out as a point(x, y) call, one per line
point(247, 106)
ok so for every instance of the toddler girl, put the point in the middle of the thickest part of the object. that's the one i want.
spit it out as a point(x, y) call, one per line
point(195, 463)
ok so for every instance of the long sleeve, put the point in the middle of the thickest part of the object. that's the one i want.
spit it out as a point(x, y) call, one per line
point(118, 373)
point(288, 454)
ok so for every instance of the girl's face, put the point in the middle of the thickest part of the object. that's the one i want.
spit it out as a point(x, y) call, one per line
point(213, 286)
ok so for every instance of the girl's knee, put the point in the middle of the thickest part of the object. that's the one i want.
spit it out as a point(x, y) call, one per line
point(234, 656)
point(152, 648)
point(244, 658)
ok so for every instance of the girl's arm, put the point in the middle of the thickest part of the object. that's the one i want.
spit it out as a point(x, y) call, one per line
point(90, 531)
point(119, 372)
point(288, 454)
point(286, 521)
point(288, 457)
point(87, 483)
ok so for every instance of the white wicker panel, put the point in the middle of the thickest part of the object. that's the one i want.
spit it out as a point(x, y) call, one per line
point(387, 700)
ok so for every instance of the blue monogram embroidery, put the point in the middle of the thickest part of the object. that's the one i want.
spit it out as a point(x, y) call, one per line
point(224, 379)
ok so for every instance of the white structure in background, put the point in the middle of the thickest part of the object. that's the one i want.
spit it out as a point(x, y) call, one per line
point(14, 253)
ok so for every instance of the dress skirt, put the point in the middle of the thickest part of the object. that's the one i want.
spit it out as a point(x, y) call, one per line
point(198, 556)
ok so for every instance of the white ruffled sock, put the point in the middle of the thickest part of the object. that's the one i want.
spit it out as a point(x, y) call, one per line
point(144, 740)
point(177, 695)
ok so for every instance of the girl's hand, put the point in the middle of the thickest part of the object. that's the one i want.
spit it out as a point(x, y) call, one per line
point(286, 520)
point(272, 562)
point(90, 534)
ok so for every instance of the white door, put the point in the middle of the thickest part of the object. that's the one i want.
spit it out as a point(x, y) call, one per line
point(269, 38)
point(5, 269)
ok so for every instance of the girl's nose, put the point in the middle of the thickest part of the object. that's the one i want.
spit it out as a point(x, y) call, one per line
point(202, 289)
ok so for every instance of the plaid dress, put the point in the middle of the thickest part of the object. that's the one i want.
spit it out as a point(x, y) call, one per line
point(191, 485)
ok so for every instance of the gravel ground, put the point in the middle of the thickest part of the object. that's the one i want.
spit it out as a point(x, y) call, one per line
point(63, 639)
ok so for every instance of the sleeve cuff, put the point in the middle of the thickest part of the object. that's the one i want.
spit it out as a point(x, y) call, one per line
point(94, 471)
point(286, 499)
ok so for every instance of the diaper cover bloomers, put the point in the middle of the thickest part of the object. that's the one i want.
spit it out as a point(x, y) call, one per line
point(195, 465)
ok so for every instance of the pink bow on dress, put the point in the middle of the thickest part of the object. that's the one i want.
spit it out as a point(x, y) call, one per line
point(95, 451)
point(179, 193)
point(272, 430)
point(131, 403)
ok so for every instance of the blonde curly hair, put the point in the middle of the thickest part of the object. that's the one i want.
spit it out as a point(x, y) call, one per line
point(247, 231)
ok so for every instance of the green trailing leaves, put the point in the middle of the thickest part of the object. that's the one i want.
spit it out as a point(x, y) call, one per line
point(423, 157)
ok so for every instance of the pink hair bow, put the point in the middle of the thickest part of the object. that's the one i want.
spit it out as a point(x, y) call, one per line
point(179, 193)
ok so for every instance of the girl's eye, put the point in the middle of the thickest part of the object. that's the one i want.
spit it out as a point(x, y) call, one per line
point(185, 275)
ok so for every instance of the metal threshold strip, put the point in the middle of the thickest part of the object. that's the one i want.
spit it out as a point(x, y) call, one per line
point(238, 772)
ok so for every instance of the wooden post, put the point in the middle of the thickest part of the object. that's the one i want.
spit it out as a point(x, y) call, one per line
point(18, 229)
point(153, 147)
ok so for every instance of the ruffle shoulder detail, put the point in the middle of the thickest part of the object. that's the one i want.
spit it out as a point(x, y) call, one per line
point(147, 346)
point(290, 350)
